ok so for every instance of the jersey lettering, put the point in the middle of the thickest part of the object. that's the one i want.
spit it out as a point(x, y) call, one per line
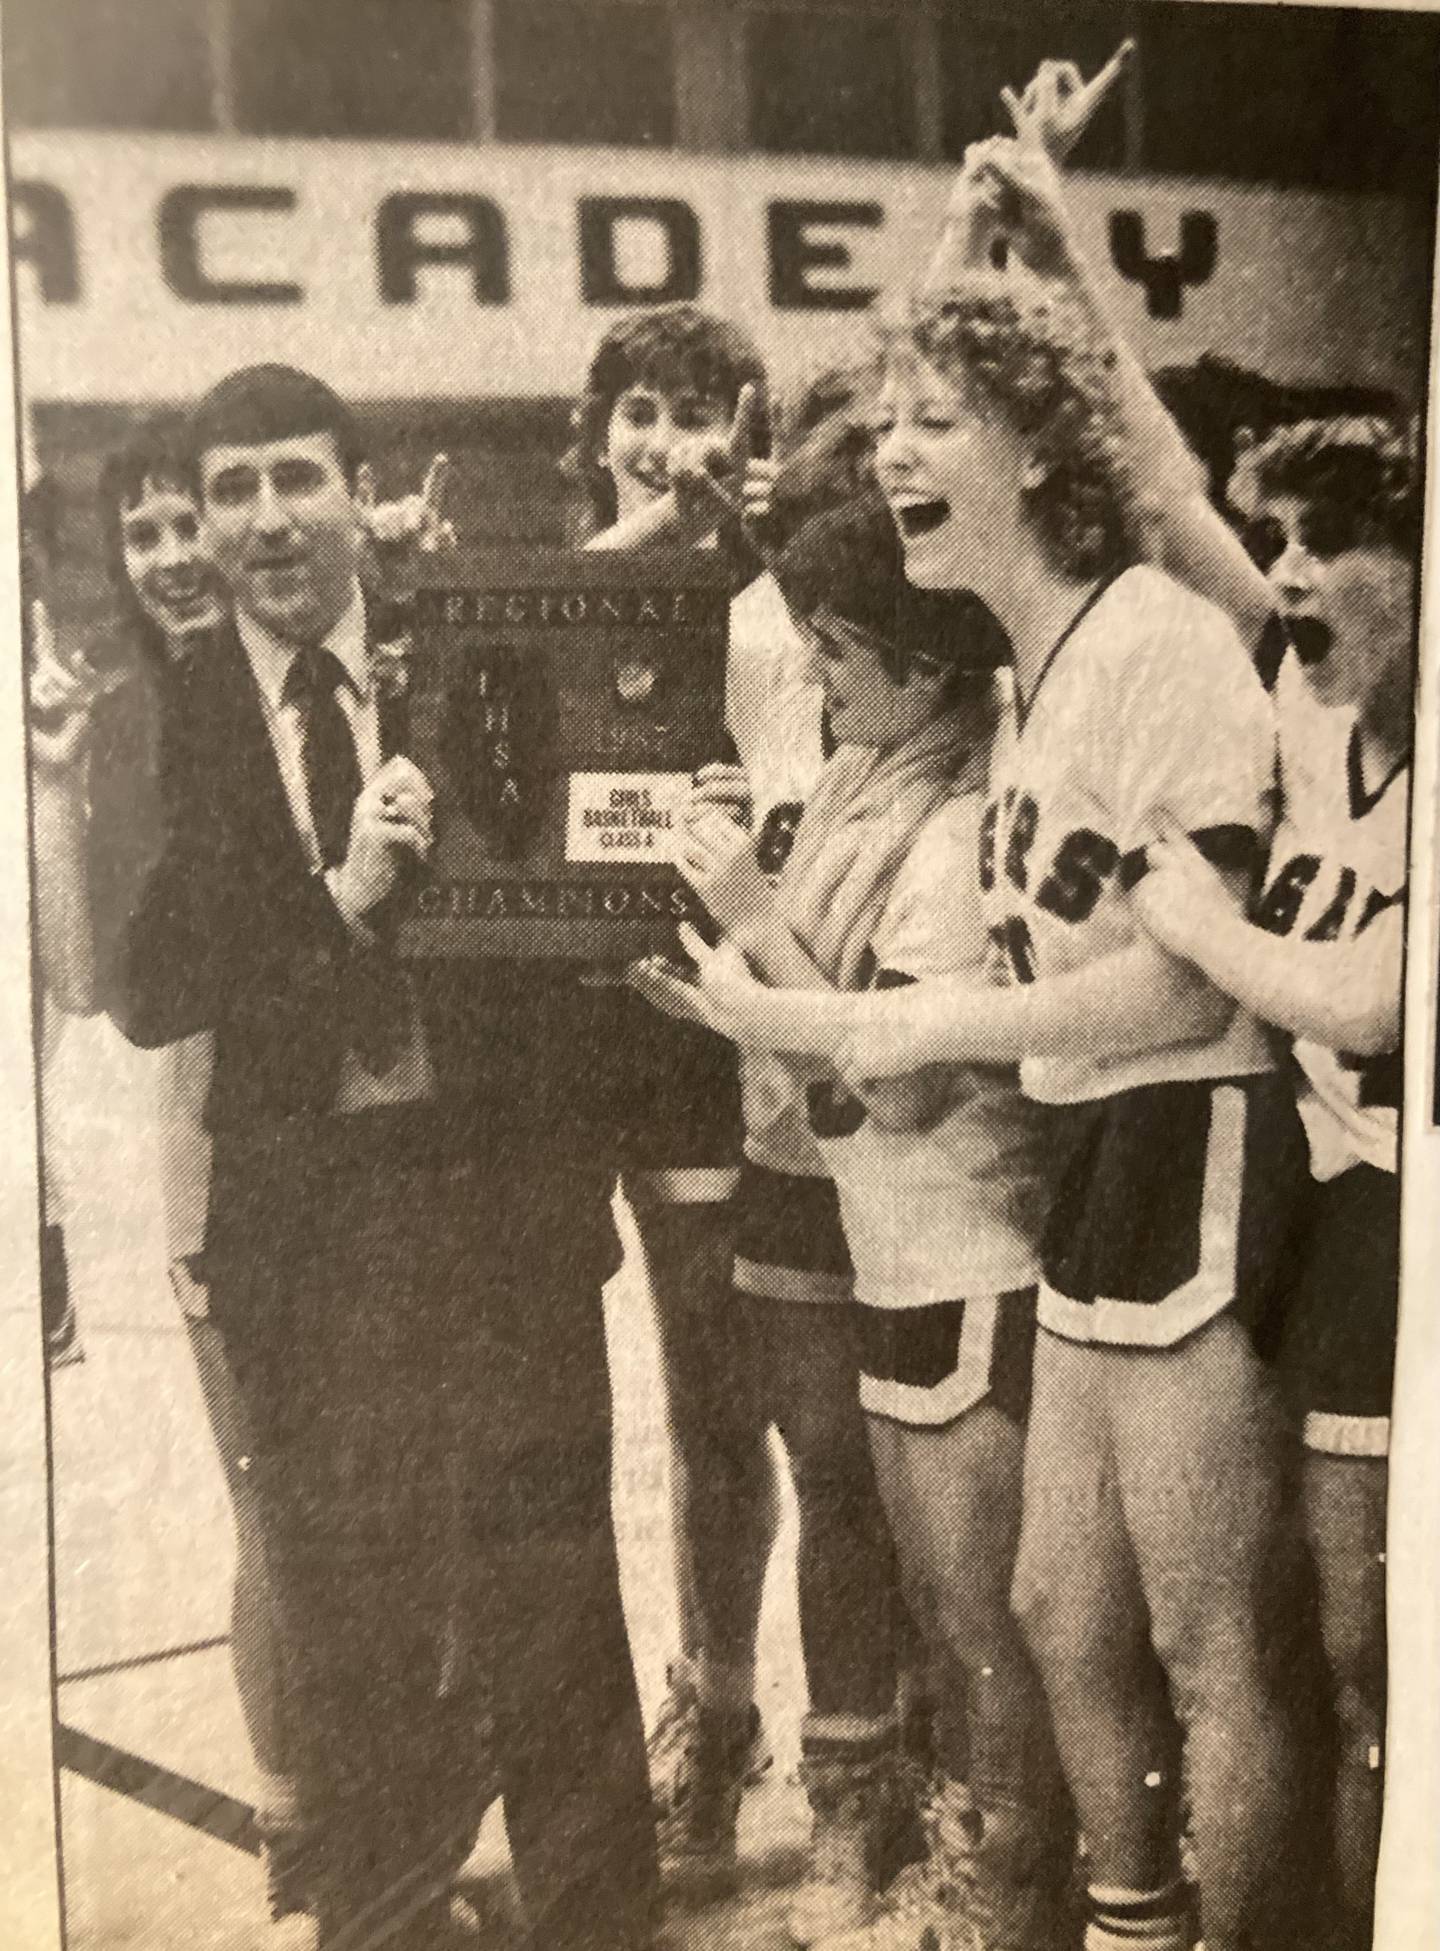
point(1022, 838)
point(777, 836)
point(1012, 937)
point(987, 846)
point(1375, 904)
point(1327, 928)
point(1083, 865)
point(1278, 908)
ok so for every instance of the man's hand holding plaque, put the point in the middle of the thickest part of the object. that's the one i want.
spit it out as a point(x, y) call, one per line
point(393, 823)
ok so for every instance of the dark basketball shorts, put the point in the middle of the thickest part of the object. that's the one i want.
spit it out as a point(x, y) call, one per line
point(1176, 1205)
point(789, 1240)
point(927, 1366)
point(1337, 1345)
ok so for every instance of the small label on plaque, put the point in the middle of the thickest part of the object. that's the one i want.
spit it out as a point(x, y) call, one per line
point(624, 816)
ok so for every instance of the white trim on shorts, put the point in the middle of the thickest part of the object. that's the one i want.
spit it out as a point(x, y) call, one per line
point(967, 1384)
point(686, 1185)
point(812, 1285)
point(1210, 1289)
point(1337, 1435)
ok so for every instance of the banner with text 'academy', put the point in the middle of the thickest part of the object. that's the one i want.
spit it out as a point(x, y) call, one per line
point(147, 266)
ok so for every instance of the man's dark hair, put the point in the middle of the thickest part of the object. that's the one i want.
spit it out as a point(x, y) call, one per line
point(264, 403)
point(850, 563)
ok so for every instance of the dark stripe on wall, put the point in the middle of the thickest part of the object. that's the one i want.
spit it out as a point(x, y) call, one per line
point(144, 1659)
point(156, 1787)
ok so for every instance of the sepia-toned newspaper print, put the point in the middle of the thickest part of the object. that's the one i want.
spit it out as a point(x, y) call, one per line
point(720, 1028)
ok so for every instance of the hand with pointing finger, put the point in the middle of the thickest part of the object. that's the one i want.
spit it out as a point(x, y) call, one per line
point(1059, 104)
point(406, 533)
point(63, 691)
point(707, 471)
point(1049, 118)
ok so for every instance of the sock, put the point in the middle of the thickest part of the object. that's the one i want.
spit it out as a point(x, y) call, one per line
point(1121, 1919)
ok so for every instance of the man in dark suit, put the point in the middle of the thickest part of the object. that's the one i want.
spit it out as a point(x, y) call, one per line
point(409, 1232)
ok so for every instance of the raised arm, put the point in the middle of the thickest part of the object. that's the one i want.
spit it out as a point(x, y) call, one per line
point(1018, 185)
point(1051, 115)
point(63, 692)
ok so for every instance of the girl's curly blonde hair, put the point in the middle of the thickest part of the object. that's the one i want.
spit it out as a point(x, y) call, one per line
point(1032, 356)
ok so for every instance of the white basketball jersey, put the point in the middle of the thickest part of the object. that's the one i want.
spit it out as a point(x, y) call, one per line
point(1148, 704)
point(955, 1209)
point(775, 712)
point(1337, 866)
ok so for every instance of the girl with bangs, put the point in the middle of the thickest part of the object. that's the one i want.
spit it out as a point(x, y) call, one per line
point(749, 1271)
point(942, 1179)
point(1333, 515)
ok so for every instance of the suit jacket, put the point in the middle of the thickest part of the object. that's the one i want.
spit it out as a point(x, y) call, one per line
point(234, 933)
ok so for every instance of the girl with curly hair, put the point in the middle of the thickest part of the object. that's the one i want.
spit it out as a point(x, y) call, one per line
point(1153, 1494)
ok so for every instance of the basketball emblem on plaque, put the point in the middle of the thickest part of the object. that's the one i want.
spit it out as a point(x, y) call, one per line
point(561, 703)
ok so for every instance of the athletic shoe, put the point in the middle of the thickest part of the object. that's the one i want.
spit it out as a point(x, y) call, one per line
point(922, 1908)
point(673, 1737)
point(953, 1901)
point(864, 1833)
point(698, 1809)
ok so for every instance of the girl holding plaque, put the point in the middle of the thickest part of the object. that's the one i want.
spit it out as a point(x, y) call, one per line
point(1004, 460)
point(774, 1339)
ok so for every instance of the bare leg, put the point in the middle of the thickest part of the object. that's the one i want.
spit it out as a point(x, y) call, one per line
point(953, 1495)
point(1202, 1465)
point(1345, 1500)
point(1077, 1593)
point(723, 1474)
point(846, 1564)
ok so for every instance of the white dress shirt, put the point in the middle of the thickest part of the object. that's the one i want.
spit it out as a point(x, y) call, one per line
point(412, 1076)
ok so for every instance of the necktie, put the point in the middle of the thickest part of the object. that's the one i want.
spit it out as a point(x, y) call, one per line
point(375, 1002)
point(327, 749)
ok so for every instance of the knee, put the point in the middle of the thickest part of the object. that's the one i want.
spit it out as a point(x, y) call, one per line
point(975, 1623)
point(1079, 1643)
point(1356, 1662)
point(1214, 1661)
point(970, 1594)
point(1048, 1619)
